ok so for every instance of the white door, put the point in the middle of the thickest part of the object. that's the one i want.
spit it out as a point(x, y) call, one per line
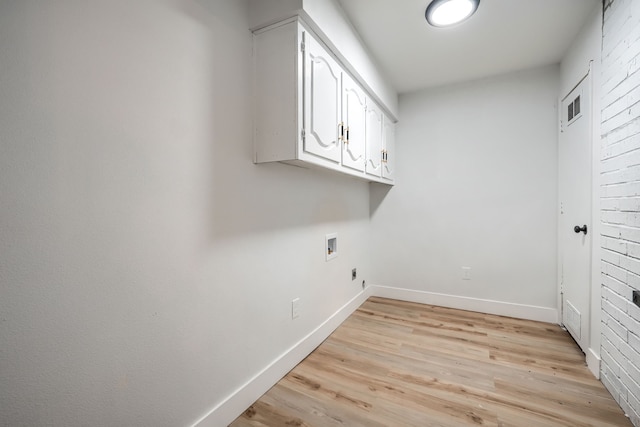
point(353, 114)
point(389, 135)
point(322, 113)
point(575, 211)
point(373, 165)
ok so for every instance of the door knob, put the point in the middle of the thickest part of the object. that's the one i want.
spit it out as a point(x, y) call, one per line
point(578, 229)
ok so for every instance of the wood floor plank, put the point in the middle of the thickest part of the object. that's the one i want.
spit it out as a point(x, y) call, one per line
point(397, 363)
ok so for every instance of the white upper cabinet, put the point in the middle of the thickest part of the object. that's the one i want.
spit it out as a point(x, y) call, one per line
point(309, 111)
point(388, 150)
point(322, 103)
point(354, 122)
point(380, 147)
point(374, 141)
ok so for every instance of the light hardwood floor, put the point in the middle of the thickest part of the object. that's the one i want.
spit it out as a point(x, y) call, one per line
point(394, 363)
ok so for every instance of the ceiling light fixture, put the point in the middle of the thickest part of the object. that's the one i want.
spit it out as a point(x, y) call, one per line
point(444, 13)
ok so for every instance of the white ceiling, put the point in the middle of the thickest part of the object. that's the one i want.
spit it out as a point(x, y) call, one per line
point(503, 36)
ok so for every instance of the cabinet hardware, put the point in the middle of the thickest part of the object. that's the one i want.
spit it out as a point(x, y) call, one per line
point(341, 126)
point(346, 141)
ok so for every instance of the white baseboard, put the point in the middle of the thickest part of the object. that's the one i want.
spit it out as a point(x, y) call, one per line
point(520, 311)
point(593, 362)
point(238, 401)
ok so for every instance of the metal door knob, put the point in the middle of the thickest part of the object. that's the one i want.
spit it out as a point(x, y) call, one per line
point(578, 229)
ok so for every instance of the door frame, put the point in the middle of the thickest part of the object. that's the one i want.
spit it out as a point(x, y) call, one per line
point(592, 353)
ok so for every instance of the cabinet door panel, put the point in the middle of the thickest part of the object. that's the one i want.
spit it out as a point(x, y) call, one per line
point(322, 102)
point(354, 117)
point(374, 140)
point(389, 149)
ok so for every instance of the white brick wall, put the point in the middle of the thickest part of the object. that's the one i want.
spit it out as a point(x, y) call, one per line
point(620, 203)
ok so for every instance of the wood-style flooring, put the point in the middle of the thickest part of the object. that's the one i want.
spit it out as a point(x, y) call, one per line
point(394, 363)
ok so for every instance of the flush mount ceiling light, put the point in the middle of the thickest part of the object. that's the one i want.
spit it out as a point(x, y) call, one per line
point(443, 13)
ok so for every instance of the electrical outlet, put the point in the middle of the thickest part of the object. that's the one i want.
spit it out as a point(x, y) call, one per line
point(466, 273)
point(354, 274)
point(295, 308)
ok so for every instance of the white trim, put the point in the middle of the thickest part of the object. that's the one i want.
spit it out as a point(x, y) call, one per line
point(593, 362)
point(520, 311)
point(238, 401)
point(584, 338)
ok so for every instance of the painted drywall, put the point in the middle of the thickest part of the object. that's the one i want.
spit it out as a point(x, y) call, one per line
point(620, 204)
point(267, 12)
point(584, 55)
point(475, 187)
point(147, 266)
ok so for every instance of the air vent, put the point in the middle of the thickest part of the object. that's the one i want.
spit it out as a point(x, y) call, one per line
point(573, 110)
point(570, 112)
point(572, 319)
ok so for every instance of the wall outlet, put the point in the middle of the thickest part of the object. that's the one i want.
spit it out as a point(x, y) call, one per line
point(466, 273)
point(295, 308)
point(354, 274)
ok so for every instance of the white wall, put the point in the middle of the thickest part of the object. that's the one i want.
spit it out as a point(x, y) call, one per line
point(620, 204)
point(585, 54)
point(147, 267)
point(267, 12)
point(476, 187)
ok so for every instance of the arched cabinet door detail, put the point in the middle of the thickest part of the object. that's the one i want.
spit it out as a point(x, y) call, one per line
point(354, 111)
point(373, 165)
point(322, 118)
point(388, 151)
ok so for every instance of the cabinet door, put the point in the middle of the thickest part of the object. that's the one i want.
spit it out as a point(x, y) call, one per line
point(374, 140)
point(322, 115)
point(389, 144)
point(354, 118)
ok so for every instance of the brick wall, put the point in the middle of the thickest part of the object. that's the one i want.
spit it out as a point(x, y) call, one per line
point(620, 203)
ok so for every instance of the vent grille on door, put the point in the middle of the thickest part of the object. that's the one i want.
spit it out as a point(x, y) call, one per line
point(573, 109)
point(572, 319)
